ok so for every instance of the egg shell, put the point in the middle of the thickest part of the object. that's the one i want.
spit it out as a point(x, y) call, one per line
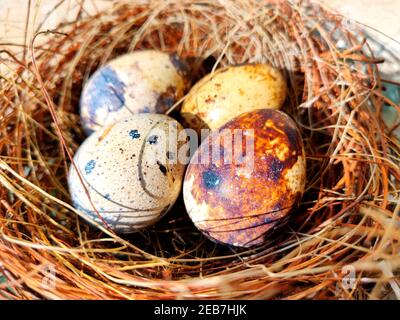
point(237, 203)
point(231, 91)
point(129, 171)
point(145, 81)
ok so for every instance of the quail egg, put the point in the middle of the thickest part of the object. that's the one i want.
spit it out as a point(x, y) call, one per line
point(228, 92)
point(130, 172)
point(246, 177)
point(145, 81)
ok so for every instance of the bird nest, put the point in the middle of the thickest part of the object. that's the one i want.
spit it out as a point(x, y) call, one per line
point(341, 242)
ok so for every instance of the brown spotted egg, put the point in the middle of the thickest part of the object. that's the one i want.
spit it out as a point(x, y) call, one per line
point(246, 177)
point(145, 81)
point(130, 171)
point(228, 92)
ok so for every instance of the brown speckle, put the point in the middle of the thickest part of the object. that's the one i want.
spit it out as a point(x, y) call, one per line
point(233, 208)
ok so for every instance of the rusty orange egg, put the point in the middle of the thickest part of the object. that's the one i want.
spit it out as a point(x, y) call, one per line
point(246, 177)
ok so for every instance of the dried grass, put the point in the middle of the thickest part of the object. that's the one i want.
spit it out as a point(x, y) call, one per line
point(349, 217)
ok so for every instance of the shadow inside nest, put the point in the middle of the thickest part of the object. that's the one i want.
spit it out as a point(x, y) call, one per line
point(175, 237)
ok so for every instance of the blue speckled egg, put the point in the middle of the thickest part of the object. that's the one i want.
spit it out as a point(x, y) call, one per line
point(130, 170)
point(145, 81)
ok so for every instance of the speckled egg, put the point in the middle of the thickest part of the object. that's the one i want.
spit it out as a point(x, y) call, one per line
point(130, 171)
point(237, 202)
point(228, 92)
point(145, 81)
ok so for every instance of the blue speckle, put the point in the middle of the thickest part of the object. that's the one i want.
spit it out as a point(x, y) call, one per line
point(211, 179)
point(90, 166)
point(146, 109)
point(107, 196)
point(105, 90)
point(276, 167)
point(134, 134)
point(153, 139)
point(267, 220)
point(78, 206)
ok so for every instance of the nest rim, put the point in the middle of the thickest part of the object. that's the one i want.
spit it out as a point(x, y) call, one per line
point(352, 212)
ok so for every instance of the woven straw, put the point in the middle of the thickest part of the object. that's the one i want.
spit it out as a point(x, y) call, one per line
point(341, 243)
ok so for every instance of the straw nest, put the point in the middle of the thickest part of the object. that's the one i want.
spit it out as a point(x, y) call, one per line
point(343, 240)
